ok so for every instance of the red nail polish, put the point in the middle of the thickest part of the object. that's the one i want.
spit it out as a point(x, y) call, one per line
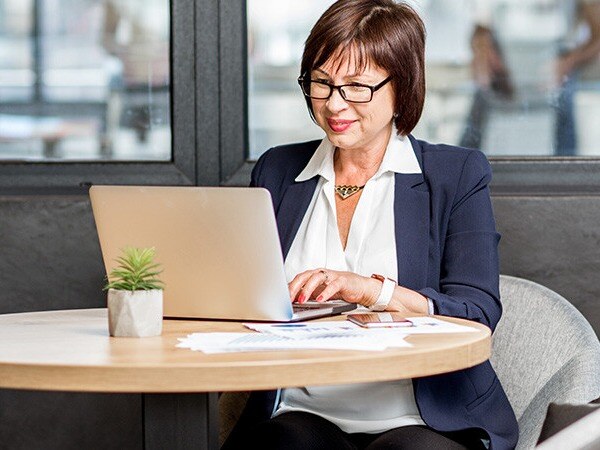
point(301, 298)
point(320, 298)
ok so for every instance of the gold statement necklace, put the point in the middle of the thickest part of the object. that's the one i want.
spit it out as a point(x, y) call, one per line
point(346, 191)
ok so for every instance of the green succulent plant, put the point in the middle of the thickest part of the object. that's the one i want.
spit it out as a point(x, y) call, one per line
point(136, 271)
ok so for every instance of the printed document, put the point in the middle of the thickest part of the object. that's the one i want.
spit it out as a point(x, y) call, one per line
point(332, 335)
point(245, 342)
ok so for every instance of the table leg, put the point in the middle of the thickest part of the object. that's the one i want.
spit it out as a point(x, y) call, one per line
point(180, 421)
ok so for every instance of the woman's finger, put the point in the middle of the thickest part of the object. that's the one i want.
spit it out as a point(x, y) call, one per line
point(330, 290)
point(318, 277)
point(304, 285)
point(297, 283)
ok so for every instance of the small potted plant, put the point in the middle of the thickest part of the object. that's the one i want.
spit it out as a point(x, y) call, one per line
point(135, 295)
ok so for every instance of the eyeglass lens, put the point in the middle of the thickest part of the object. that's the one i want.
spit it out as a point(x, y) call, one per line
point(351, 93)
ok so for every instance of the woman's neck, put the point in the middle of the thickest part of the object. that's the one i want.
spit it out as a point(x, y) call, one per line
point(357, 166)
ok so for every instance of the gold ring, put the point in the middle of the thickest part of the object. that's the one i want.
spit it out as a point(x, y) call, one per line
point(326, 276)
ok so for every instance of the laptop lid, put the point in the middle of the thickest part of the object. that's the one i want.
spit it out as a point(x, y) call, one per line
point(219, 249)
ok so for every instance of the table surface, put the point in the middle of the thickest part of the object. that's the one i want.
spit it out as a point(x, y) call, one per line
point(71, 351)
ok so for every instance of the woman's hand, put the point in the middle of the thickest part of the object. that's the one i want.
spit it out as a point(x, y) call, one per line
point(324, 284)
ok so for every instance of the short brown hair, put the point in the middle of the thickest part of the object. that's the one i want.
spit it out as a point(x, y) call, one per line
point(388, 34)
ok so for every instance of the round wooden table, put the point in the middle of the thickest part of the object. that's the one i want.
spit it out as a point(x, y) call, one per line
point(72, 351)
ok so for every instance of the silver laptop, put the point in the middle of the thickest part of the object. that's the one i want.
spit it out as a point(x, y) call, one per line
point(219, 249)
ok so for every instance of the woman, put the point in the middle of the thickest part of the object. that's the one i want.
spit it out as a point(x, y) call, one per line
point(368, 205)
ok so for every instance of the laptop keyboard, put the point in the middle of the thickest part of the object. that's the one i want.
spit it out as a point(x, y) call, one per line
point(315, 305)
point(306, 307)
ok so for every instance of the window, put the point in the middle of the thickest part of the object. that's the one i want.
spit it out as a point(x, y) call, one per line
point(225, 93)
point(84, 80)
point(276, 108)
point(158, 127)
point(517, 109)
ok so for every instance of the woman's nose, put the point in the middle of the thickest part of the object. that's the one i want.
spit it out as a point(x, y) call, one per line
point(336, 102)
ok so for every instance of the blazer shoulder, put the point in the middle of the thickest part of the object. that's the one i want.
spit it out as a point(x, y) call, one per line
point(442, 161)
point(283, 162)
point(448, 153)
point(296, 153)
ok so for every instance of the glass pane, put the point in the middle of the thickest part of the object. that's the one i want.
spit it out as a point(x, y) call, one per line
point(508, 98)
point(16, 67)
point(276, 109)
point(98, 85)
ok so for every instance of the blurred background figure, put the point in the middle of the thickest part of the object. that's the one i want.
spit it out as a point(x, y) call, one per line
point(529, 57)
point(136, 33)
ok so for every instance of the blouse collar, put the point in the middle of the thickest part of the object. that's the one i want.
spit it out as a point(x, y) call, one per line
point(399, 157)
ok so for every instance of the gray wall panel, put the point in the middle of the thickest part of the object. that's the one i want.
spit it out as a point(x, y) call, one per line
point(64, 421)
point(50, 255)
point(554, 241)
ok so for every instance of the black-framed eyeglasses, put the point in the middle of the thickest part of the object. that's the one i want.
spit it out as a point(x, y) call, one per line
point(353, 92)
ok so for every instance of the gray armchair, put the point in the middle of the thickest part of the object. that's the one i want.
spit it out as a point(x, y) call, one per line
point(544, 351)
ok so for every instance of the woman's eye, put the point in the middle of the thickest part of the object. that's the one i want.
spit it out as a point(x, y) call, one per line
point(357, 87)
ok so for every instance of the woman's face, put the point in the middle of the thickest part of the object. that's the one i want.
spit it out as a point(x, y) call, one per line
point(354, 126)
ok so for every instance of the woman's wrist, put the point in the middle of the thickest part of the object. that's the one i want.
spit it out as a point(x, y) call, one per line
point(372, 291)
point(401, 299)
point(408, 301)
point(386, 291)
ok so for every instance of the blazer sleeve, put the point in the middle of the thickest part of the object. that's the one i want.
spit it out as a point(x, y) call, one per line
point(256, 178)
point(469, 272)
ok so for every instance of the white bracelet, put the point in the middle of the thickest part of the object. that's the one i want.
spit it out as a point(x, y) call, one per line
point(385, 296)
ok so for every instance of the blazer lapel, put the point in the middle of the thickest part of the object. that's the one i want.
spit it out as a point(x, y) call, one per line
point(411, 213)
point(291, 210)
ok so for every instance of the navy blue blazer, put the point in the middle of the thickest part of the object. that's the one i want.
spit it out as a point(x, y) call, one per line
point(447, 249)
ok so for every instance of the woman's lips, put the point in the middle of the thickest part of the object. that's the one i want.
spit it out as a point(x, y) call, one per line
point(339, 125)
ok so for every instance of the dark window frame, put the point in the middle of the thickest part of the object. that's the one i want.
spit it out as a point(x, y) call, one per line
point(210, 124)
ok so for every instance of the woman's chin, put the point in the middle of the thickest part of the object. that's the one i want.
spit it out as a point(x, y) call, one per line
point(342, 140)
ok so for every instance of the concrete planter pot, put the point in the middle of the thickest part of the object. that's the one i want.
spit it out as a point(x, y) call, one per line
point(135, 313)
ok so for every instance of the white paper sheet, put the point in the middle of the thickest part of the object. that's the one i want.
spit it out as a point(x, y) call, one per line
point(299, 330)
point(332, 335)
point(421, 325)
point(243, 342)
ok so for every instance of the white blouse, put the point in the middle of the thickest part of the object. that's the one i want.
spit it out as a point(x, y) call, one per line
point(371, 248)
